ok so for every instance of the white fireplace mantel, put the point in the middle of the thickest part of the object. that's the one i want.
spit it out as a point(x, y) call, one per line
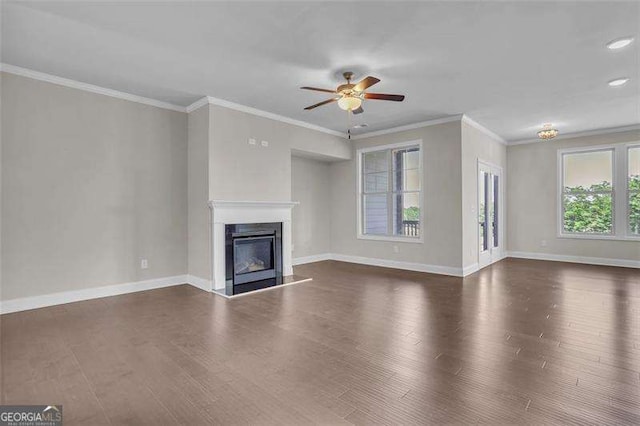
point(225, 212)
point(241, 204)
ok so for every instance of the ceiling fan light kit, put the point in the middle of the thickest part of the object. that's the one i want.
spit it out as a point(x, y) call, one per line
point(351, 96)
point(349, 102)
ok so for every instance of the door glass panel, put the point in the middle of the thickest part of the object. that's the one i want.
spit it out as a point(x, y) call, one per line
point(496, 202)
point(482, 210)
point(633, 184)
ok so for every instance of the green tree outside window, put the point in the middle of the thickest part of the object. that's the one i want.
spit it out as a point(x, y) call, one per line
point(590, 209)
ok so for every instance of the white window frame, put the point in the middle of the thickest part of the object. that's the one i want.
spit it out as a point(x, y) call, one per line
point(359, 191)
point(620, 193)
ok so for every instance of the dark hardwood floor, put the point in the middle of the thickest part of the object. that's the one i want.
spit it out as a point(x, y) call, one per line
point(519, 342)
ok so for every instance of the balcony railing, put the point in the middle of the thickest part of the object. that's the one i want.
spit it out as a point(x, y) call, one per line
point(411, 228)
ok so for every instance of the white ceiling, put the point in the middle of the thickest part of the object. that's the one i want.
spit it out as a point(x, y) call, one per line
point(511, 66)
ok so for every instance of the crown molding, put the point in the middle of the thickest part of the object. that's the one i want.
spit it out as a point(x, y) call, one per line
point(471, 122)
point(594, 132)
point(413, 126)
point(197, 104)
point(260, 113)
point(206, 100)
point(37, 75)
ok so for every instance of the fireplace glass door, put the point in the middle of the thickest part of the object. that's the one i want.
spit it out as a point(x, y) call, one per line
point(254, 258)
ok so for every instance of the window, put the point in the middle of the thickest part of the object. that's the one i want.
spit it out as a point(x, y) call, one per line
point(633, 191)
point(389, 192)
point(592, 198)
point(587, 201)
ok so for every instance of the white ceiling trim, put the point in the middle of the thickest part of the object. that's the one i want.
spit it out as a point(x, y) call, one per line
point(36, 75)
point(260, 113)
point(595, 132)
point(197, 104)
point(481, 128)
point(413, 126)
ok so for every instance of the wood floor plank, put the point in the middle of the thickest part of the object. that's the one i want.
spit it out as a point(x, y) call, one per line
point(519, 342)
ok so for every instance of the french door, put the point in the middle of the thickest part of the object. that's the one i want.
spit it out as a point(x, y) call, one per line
point(489, 214)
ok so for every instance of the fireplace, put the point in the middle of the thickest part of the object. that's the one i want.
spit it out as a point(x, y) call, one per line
point(246, 217)
point(253, 256)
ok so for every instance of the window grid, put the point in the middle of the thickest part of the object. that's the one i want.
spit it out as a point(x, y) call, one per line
point(624, 225)
point(393, 193)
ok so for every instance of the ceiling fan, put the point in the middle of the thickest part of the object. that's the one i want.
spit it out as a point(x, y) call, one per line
point(350, 96)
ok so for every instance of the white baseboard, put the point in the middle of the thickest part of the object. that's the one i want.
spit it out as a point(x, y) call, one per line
point(311, 259)
point(396, 264)
point(467, 270)
point(34, 302)
point(470, 269)
point(386, 263)
point(198, 282)
point(626, 263)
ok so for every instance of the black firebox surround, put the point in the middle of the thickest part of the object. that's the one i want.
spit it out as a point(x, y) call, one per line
point(242, 233)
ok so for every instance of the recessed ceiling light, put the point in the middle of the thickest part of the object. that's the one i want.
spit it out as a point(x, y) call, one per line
point(619, 43)
point(618, 82)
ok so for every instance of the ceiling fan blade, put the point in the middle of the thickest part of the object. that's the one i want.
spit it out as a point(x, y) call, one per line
point(318, 90)
point(384, 97)
point(328, 101)
point(359, 110)
point(365, 83)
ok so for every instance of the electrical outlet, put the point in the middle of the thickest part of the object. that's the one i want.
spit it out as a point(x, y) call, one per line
point(396, 249)
point(252, 141)
point(144, 264)
point(543, 243)
point(265, 143)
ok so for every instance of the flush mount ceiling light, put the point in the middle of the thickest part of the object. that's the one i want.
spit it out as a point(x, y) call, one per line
point(619, 43)
point(547, 132)
point(618, 82)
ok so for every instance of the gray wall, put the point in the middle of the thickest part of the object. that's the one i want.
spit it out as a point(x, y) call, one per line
point(224, 166)
point(532, 201)
point(199, 223)
point(90, 185)
point(477, 145)
point(442, 183)
point(311, 187)
point(242, 172)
